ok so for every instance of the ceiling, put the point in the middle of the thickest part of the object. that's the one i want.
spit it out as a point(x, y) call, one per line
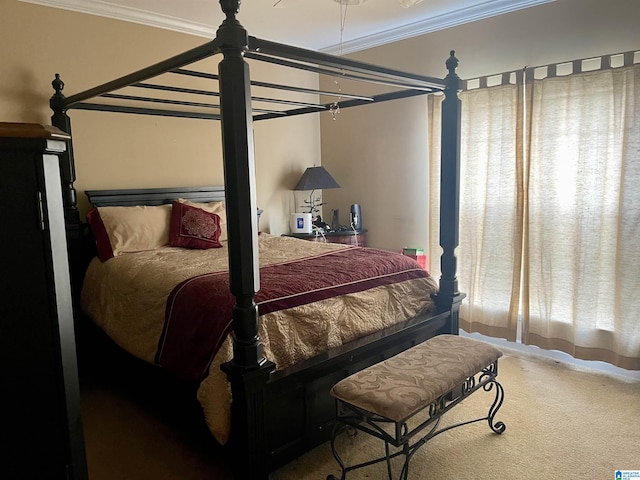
point(316, 24)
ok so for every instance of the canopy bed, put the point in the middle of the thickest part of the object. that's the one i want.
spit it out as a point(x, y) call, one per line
point(280, 408)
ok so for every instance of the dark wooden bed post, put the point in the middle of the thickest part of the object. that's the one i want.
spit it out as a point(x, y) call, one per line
point(79, 250)
point(61, 120)
point(449, 297)
point(249, 370)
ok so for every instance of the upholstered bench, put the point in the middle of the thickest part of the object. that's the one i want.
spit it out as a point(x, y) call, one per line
point(398, 398)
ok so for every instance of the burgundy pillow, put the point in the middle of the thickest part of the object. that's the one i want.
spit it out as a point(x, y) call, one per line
point(193, 227)
point(105, 252)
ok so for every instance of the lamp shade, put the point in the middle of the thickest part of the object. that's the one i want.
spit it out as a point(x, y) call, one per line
point(316, 178)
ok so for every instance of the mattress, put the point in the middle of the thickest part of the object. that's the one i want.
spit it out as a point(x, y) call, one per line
point(172, 306)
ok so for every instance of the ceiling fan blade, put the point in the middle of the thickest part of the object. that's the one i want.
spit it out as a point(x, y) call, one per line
point(409, 3)
point(288, 3)
point(284, 3)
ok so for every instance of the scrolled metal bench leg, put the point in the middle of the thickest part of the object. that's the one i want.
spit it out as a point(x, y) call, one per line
point(388, 457)
point(404, 474)
point(337, 429)
point(498, 427)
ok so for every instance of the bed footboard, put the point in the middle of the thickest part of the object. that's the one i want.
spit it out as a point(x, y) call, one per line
point(291, 411)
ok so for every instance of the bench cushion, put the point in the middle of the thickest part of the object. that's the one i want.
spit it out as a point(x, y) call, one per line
point(404, 384)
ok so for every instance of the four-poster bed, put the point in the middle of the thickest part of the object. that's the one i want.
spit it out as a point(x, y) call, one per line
point(277, 413)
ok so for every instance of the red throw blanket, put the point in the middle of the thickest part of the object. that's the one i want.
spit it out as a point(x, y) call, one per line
point(199, 310)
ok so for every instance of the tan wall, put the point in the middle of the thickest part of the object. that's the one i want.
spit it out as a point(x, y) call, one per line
point(122, 151)
point(379, 157)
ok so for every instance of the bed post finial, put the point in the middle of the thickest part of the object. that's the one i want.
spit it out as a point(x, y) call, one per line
point(58, 86)
point(232, 36)
point(230, 7)
point(60, 119)
point(449, 297)
point(452, 78)
point(452, 63)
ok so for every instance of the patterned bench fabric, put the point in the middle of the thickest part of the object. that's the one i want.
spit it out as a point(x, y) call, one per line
point(403, 385)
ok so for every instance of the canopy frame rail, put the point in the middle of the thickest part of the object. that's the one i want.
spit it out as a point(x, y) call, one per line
point(261, 113)
point(384, 97)
point(300, 56)
point(265, 51)
point(288, 88)
point(158, 112)
point(166, 101)
point(192, 91)
point(185, 58)
point(335, 73)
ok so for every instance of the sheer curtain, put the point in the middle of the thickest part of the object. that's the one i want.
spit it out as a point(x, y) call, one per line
point(550, 212)
point(489, 255)
point(582, 291)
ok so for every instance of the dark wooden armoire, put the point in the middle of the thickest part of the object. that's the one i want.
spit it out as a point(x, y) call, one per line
point(41, 434)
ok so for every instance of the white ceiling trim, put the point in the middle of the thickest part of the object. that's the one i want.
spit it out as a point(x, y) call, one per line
point(128, 14)
point(488, 9)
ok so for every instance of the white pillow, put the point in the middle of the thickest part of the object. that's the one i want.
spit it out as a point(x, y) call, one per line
point(136, 229)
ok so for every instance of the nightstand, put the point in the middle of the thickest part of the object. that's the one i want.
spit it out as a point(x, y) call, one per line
point(347, 237)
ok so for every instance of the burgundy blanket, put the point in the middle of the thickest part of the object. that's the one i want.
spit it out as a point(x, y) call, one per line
point(199, 310)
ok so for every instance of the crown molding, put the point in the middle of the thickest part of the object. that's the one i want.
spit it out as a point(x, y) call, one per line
point(488, 9)
point(128, 14)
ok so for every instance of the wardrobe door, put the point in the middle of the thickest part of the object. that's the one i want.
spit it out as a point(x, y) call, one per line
point(41, 429)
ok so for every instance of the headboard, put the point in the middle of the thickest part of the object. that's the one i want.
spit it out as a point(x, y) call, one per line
point(153, 196)
point(84, 248)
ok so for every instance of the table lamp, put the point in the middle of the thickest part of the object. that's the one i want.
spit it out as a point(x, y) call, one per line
point(315, 178)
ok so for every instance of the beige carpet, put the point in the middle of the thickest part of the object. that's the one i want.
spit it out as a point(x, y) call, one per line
point(561, 423)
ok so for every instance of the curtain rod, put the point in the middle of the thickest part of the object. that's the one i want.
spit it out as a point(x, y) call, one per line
point(628, 59)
